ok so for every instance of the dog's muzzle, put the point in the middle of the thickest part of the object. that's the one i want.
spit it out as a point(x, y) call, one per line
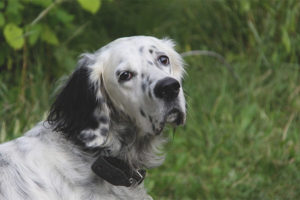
point(168, 89)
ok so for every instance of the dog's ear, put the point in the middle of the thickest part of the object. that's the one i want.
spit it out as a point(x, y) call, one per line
point(80, 110)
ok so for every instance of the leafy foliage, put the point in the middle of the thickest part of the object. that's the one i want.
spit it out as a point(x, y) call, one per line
point(44, 21)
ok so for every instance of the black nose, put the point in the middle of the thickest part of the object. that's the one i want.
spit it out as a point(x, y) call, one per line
point(167, 89)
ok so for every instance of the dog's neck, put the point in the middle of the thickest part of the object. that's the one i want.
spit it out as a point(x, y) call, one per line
point(124, 139)
point(129, 143)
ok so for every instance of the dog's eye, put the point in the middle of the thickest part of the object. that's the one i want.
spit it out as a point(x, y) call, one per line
point(125, 76)
point(164, 60)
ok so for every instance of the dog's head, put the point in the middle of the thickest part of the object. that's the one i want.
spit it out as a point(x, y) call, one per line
point(136, 79)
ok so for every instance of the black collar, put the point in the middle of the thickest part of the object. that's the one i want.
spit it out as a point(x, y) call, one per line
point(117, 172)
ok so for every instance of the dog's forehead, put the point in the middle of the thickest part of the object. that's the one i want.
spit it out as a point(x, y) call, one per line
point(139, 44)
point(136, 53)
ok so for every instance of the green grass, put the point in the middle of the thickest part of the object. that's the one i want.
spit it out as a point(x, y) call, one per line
point(241, 140)
point(20, 113)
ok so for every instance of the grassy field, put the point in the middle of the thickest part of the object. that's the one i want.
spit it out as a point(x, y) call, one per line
point(241, 140)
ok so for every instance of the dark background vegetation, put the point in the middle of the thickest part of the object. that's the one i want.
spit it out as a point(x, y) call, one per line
point(241, 140)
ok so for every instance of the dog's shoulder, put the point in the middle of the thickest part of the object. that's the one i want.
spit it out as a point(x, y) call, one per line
point(42, 164)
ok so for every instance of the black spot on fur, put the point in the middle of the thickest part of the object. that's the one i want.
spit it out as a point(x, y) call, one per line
point(150, 63)
point(122, 124)
point(126, 132)
point(104, 131)
point(141, 49)
point(103, 119)
point(143, 87)
point(153, 127)
point(150, 119)
point(154, 47)
point(39, 184)
point(87, 137)
point(142, 75)
point(101, 100)
point(150, 94)
point(142, 113)
point(150, 51)
point(3, 161)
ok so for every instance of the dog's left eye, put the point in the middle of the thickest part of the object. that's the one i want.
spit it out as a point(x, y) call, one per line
point(164, 60)
point(125, 76)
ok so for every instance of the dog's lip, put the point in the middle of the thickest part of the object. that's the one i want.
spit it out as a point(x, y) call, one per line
point(175, 117)
point(159, 130)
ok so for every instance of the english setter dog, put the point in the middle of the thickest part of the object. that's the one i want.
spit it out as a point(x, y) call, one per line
point(104, 128)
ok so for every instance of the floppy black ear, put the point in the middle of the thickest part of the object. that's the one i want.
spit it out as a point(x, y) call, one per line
point(77, 112)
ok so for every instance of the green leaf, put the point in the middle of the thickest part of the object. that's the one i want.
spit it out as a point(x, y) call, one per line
point(90, 5)
point(245, 5)
point(34, 34)
point(2, 20)
point(64, 16)
point(49, 36)
point(14, 36)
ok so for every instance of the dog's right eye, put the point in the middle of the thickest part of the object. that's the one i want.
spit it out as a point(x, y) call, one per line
point(164, 60)
point(125, 76)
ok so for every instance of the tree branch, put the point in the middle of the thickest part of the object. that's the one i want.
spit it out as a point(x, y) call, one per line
point(45, 12)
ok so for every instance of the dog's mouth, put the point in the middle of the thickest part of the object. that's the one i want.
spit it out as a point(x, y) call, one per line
point(174, 117)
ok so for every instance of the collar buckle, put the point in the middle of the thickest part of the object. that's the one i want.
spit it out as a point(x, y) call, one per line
point(117, 172)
